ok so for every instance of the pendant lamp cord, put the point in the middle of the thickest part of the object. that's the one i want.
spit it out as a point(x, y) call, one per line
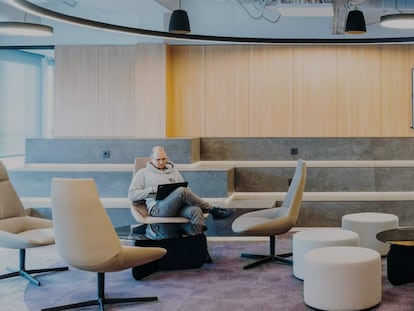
point(396, 7)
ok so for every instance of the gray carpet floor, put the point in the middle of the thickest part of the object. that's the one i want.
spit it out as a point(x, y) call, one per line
point(222, 285)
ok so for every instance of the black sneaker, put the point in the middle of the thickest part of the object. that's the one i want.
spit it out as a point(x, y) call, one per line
point(220, 213)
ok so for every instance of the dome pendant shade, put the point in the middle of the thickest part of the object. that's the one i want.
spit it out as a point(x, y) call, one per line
point(179, 22)
point(355, 23)
point(25, 29)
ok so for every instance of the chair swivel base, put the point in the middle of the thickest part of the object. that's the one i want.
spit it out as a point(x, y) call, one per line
point(100, 302)
point(261, 259)
point(27, 273)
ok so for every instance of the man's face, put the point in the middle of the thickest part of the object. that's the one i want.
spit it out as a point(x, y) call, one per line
point(159, 159)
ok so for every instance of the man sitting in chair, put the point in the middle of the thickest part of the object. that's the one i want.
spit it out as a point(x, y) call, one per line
point(181, 202)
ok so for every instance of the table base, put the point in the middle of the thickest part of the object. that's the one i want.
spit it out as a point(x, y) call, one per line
point(400, 264)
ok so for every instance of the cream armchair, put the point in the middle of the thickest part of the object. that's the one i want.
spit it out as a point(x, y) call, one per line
point(274, 221)
point(21, 231)
point(86, 239)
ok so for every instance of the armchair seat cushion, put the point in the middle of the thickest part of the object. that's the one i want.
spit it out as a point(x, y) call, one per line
point(19, 224)
point(39, 237)
point(141, 208)
point(140, 213)
point(262, 222)
point(27, 239)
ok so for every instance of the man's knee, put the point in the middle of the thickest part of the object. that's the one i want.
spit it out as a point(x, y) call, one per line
point(180, 191)
point(196, 216)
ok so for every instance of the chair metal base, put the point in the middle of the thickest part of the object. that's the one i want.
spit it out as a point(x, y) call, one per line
point(267, 258)
point(101, 301)
point(272, 257)
point(27, 273)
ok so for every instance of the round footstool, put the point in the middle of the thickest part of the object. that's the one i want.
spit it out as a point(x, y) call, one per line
point(367, 225)
point(307, 240)
point(342, 278)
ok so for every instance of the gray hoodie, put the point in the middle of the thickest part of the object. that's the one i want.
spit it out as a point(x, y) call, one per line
point(145, 181)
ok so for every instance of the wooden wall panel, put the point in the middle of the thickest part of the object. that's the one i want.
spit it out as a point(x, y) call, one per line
point(75, 108)
point(116, 82)
point(246, 91)
point(358, 84)
point(185, 100)
point(396, 64)
point(149, 116)
point(226, 91)
point(314, 91)
point(270, 91)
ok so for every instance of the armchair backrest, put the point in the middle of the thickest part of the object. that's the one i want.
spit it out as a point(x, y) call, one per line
point(293, 199)
point(139, 162)
point(84, 234)
point(10, 203)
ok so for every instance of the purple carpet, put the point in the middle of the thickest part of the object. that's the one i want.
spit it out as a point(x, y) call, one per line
point(222, 285)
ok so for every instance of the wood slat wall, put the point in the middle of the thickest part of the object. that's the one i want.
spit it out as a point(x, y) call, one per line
point(226, 104)
point(149, 105)
point(269, 97)
point(309, 91)
point(186, 92)
point(396, 87)
point(314, 90)
point(110, 91)
point(76, 91)
point(153, 90)
point(115, 64)
point(358, 97)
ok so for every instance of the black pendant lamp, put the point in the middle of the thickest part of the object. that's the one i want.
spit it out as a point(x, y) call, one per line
point(355, 23)
point(179, 22)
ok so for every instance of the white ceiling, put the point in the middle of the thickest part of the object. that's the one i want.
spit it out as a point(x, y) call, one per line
point(289, 19)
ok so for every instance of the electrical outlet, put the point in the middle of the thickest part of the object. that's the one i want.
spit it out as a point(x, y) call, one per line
point(106, 154)
point(294, 151)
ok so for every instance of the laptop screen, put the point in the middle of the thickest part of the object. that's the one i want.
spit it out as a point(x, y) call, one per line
point(165, 189)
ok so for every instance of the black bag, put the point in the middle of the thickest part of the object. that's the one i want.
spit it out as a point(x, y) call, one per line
point(184, 253)
point(400, 264)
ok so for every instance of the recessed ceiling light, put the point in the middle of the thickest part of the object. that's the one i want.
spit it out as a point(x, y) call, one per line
point(25, 29)
point(401, 21)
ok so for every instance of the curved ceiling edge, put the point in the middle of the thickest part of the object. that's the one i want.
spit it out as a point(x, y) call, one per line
point(40, 11)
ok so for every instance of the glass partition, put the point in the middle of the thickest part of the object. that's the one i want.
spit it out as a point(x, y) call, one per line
point(24, 98)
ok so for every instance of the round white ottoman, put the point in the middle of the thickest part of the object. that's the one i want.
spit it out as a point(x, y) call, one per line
point(367, 225)
point(342, 278)
point(307, 240)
